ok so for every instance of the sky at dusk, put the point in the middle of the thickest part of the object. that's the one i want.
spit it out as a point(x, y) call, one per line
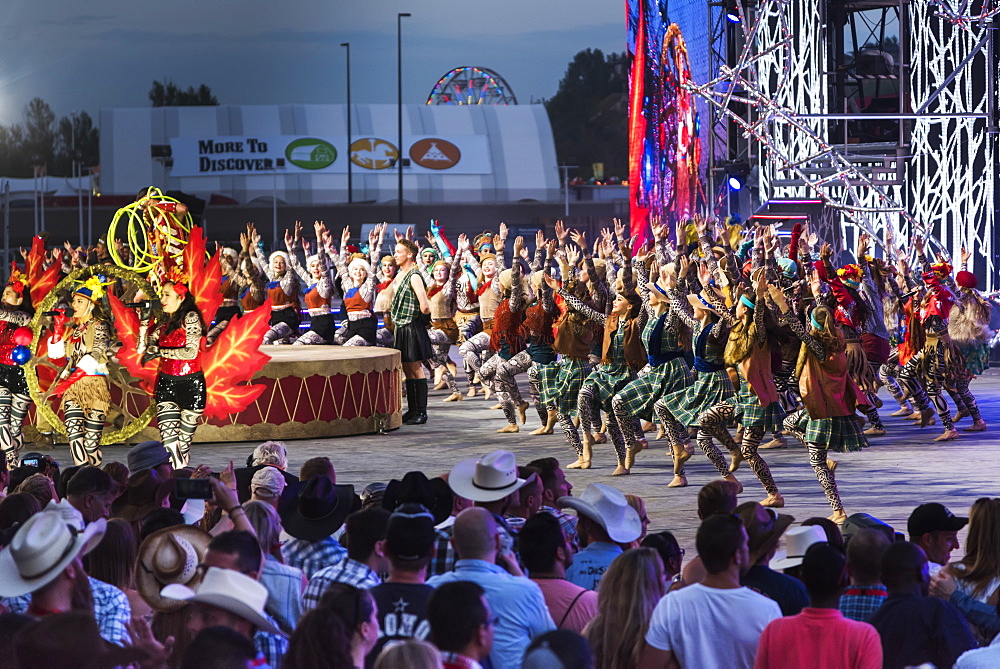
point(106, 53)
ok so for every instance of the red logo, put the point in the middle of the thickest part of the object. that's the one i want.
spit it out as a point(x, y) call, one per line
point(435, 154)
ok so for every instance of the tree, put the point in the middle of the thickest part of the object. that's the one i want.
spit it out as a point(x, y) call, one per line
point(168, 94)
point(39, 132)
point(589, 113)
point(76, 138)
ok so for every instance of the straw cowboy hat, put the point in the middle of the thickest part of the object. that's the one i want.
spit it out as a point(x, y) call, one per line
point(486, 479)
point(607, 507)
point(230, 591)
point(41, 549)
point(168, 556)
point(764, 528)
point(797, 542)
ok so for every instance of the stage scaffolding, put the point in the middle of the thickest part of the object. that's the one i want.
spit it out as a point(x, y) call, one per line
point(898, 136)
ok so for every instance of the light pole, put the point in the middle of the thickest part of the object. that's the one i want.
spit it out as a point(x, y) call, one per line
point(399, 109)
point(350, 174)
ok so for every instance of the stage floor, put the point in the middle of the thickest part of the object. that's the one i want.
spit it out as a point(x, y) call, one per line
point(900, 470)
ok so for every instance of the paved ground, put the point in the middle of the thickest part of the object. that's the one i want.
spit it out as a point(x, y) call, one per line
point(900, 470)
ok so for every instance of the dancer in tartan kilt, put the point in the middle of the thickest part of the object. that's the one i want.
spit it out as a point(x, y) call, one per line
point(623, 352)
point(830, 396)
point(667, 371)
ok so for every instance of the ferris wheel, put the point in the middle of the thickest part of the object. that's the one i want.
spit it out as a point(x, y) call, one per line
point(472, 86)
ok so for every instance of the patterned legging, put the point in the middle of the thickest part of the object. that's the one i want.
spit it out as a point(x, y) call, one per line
point(817, 459)
point(502, 375)
point(589, 407)
point(571, 432)
point(84, 427)
point(473, 352)
point(13, 409)
point(888, 373)
point(177, 428)
point(535, 392)
point(787, 391)
point(442, 349)
point(933, 382)
point(872, 412)
point(713, 423)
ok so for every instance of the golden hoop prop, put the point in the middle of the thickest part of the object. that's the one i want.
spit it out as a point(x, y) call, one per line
point(140, 223)
point(31, 374)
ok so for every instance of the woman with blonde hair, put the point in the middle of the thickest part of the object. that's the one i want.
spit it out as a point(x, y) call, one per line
point(409, 654)
point(630, 590)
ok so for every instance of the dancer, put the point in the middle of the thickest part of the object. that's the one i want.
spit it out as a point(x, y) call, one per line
point(537, 330)
point(315, 277)
point(666, 371)
point(444, 330)
point(969, 329)
point(83, 381)
point(682, 409)
point(829, 394)
point(622, 354)
point(756, 406)
point(575, 334)
point(282, 288)
point(507, 343)
point(935, 363)
point(15, 400)
point(177, 339)
point(410, 312)
point(475, 351)
point(358, 283)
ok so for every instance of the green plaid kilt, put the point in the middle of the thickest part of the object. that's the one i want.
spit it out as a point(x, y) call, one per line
point(749, 412)
point(840, 434)
point(608, 380)
point(709, 388)
point(560, 383)
point(640, 395)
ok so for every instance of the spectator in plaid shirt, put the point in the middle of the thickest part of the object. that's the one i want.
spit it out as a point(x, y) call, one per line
point(365, 559)
point(320, 509)
point(865, 594)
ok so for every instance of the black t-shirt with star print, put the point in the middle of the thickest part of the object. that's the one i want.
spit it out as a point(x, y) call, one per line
point(402, 614)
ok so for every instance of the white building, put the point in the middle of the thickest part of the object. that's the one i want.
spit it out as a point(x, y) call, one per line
point(300, 153)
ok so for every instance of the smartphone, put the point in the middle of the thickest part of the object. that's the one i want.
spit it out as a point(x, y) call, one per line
point(30, 462)
point(193, 489)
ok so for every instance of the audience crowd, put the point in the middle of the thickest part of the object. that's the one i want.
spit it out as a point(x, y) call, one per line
point(490, 565)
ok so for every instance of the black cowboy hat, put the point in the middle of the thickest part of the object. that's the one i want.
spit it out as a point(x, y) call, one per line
point(415, 488)
point(315, 509)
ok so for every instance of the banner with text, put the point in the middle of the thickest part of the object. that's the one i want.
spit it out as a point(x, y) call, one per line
point(291, 154)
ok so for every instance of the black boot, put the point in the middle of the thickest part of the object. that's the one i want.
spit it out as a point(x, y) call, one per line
point(411, 400)
point(419, 417)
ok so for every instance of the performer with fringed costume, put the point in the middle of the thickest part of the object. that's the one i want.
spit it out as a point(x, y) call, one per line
point(969, 328)
point(177, 338)
point(83, 340)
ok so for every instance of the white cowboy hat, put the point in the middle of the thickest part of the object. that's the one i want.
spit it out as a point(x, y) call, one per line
point(486, 479)
point(230, 591)
point(797, 542)
point(41, 549)
point(607, 507)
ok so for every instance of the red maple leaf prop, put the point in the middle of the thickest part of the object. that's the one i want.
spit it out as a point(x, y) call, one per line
point(41, 279)
point(204, 277)
point(232, 360)
point(127, 325)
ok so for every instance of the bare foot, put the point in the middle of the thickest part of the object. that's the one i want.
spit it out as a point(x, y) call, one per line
point(960, 415)
point(620, 470)
point(875, 432)
point(947, 435)
point(926, 416)
point(454, 397)
point(509, 429)
point(600, 438)
point(545, 429)
point(902, 411)
point(522, 411)
point(472, 392)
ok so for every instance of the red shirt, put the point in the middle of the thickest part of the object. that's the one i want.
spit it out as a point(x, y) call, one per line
point(819, 639)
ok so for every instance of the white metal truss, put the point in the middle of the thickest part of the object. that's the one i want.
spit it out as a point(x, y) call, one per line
point(943, 192)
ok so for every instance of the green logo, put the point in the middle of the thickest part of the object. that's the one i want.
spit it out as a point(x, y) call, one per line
point(310, 153)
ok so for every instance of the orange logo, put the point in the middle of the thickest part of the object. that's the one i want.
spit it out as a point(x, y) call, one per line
point(373, 153)
point(435, 154)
